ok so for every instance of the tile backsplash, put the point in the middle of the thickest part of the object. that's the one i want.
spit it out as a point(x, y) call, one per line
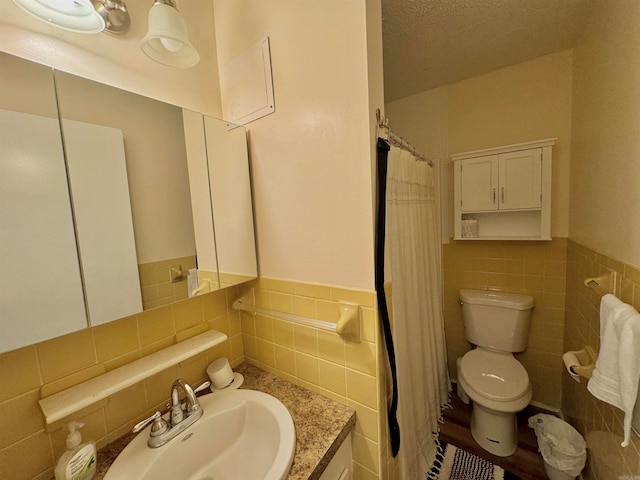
point(534, 268)
point(28, 449)
point(598, 422)
point(321, 361)
point(155, 281)
point(345, 371)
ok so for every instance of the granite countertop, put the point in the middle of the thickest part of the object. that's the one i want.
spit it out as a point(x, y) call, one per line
point(321, 425)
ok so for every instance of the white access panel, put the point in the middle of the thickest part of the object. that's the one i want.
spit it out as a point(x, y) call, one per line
point(100, 191)
point(246, 85)
point(40, 287)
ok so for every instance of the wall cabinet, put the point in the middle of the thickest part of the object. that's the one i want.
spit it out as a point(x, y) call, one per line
point(504, 193)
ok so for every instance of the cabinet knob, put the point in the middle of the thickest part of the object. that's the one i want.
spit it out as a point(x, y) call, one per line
point(494, 195)
point(502, 199)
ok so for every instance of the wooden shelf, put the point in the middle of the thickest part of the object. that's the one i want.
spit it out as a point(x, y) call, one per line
point(71, 400)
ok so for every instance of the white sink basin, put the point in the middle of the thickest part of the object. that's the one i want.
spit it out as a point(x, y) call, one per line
point(243, 434)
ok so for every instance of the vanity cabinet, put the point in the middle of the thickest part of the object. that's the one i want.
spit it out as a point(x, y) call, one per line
point(504, 192)
point(341, 465)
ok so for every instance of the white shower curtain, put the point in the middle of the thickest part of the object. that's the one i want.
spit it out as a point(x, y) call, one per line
point(413, 253)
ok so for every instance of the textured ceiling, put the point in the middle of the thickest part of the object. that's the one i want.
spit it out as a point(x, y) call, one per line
point(430, 43)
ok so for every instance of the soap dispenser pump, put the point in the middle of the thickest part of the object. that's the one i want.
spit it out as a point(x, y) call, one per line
point(78, 462)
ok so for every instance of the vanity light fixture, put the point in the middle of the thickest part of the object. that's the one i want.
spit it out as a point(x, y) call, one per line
point(74, 15)
point(115, 15)
point(167, 40)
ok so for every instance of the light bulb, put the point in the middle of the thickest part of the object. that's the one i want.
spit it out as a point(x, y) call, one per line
point(170, 44)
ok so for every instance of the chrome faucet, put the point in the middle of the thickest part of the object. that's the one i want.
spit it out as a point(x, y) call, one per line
point(179, 420)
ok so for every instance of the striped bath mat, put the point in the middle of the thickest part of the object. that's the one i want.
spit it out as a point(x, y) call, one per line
point(460, 465)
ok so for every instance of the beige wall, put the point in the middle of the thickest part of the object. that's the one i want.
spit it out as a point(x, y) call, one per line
point(32, 90)
point(605, 198)
point(118, 60)
point(524, 102)
point(604, 229)
point(422, 120)
point(311, 159)
point(528, 101)
point(599, 422)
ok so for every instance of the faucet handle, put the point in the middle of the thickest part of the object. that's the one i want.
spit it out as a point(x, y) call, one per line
point(139, 426)
point(202, 387)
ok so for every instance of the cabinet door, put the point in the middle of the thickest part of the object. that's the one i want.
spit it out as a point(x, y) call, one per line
point(520, 179)
point(479, 184)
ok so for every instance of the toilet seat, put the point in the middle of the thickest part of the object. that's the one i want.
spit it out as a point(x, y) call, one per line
point(494, 376)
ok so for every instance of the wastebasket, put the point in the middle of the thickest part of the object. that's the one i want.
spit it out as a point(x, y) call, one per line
point(563, 449)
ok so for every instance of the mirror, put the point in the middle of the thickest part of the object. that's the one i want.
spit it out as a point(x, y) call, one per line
point(37, 243)
point(127, 163)
point(135, 168)
point(223, 183)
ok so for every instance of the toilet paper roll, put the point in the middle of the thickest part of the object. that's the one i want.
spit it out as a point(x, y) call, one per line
point(220, 373)
point(570, 360)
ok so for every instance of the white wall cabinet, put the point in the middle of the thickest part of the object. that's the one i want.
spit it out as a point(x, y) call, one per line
point(505, 192)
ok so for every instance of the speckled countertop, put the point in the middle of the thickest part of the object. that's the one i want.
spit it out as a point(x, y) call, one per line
point(321, 425)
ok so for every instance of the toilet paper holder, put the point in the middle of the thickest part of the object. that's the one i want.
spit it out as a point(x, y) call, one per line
point(605, 283)
point(587, 362)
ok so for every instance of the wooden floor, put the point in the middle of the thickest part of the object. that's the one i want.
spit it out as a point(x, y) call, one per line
point(525, 464)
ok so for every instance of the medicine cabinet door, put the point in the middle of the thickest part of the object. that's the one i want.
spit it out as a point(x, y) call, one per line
point(479, 184)
point(520, 179)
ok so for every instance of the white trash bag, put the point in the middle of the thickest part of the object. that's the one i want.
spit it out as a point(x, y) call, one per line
point(561, 445)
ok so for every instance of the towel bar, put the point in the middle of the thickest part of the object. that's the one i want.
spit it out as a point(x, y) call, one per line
point(348, 325)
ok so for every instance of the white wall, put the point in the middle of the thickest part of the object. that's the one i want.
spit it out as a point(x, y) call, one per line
point(118, 60)
point(605, 170)
point(311, 159)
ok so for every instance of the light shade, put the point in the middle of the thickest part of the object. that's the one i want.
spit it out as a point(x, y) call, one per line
point(167, 41)
point(74, 15)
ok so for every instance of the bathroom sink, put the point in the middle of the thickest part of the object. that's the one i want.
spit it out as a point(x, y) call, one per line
point(243, 434)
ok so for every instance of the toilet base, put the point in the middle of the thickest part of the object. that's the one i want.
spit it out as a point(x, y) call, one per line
point(496, 432)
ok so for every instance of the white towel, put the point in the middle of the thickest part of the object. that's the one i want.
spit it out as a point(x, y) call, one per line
point(617, 373)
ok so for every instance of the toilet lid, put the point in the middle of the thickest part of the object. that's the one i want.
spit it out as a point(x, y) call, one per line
point(493, 375)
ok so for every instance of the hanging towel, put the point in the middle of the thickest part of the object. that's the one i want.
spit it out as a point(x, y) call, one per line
point(617, 373)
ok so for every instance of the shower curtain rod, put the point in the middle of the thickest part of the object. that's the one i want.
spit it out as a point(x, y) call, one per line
point(397, 140)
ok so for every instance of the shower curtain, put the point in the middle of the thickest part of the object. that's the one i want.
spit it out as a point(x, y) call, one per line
point(413, 266)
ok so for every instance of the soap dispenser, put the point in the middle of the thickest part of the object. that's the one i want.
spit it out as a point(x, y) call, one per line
point(78, 462)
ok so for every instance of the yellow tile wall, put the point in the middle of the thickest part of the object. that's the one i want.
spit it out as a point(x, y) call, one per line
point(155, 281)
point(28, 450)
point(534, 268)
point(321, 361)
point(591, 417)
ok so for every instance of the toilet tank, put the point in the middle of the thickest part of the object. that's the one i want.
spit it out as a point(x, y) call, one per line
point(497, 320)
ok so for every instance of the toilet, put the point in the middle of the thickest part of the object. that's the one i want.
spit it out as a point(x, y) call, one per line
point(497, 384)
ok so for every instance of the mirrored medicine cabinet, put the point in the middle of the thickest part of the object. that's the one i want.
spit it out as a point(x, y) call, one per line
point(108, 199)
